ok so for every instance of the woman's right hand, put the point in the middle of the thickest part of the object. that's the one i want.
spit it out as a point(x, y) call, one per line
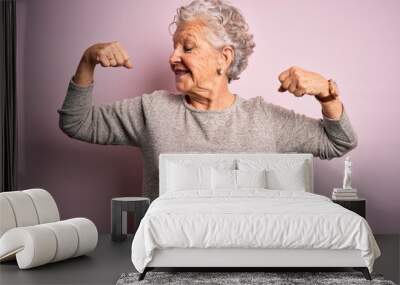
point(110, 54)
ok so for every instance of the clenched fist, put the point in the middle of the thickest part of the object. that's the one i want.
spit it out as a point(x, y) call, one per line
point(110, 54)
point(299, 82)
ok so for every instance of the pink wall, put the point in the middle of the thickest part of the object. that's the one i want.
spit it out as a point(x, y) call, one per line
point(355, 42)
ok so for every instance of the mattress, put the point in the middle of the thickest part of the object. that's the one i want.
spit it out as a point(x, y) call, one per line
point(250, 218)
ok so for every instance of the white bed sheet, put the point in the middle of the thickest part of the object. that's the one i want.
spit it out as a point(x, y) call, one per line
point(250, 218)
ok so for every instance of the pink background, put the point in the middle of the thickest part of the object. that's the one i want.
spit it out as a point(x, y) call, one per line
point(355, 42)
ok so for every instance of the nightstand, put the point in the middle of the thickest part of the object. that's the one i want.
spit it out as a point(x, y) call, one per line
point(119, 208)
point(358, 205)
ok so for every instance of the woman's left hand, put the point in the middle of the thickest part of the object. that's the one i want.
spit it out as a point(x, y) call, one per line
point(299, 82)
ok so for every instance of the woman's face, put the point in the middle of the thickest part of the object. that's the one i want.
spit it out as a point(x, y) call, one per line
point(193, 60)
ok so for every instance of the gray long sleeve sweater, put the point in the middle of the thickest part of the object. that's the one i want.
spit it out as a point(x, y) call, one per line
point(165, 122)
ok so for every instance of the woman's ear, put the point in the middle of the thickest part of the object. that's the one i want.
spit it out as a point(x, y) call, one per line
point(228, 55)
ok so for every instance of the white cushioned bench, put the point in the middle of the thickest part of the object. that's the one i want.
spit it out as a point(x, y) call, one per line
point(31, 231)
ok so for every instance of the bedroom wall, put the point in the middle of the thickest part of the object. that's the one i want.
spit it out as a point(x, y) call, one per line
point(355, 42)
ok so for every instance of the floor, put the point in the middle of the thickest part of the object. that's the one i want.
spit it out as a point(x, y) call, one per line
point(111, 259)
point(103, 266)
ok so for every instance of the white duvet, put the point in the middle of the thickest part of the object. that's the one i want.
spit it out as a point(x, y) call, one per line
point(251, 218)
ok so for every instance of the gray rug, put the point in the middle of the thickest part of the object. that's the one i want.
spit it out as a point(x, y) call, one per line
point(242, 278)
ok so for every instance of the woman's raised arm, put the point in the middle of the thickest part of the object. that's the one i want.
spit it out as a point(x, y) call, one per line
point(119, 123)
point(329, 137)
point(325, 138)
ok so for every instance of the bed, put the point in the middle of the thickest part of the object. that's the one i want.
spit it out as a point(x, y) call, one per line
point(247, 210)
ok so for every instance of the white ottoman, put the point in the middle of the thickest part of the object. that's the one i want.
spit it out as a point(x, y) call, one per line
point(31, 230)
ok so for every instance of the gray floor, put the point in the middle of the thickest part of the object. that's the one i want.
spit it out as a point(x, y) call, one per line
point(103, 266)
point(111, 259)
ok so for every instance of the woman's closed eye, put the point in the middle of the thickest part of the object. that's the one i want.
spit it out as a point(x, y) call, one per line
point(188, 46)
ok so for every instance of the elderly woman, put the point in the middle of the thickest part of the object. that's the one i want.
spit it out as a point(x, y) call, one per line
point(211, 47)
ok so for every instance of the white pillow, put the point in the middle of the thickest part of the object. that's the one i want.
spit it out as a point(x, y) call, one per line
point(256, 178)
point(229, 179)
point(292, 179)
point(188, 177)
point(282, 173)
point(223, 179)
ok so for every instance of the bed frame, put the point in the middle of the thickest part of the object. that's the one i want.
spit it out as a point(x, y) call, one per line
point(249, 258)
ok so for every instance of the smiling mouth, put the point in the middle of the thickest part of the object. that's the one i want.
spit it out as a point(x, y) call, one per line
point(181, 72)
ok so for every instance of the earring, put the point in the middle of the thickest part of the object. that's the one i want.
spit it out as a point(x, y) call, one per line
point(219, 71)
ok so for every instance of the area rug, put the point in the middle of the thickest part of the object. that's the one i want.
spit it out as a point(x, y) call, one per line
point(244, 278)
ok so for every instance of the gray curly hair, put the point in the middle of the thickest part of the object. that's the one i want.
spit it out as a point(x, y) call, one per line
point(228, 27)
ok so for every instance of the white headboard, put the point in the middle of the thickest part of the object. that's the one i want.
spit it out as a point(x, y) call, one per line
point(213, 158)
